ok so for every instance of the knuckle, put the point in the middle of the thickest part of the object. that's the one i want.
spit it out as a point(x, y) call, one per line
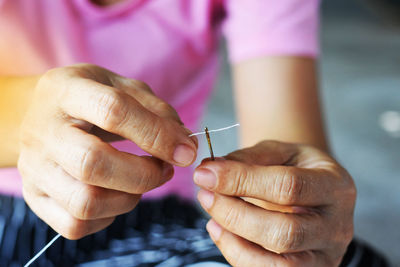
point(79, 70)
point(142, 184)
point(165, 109)
point(82, 66)
point(113, 111)
point(242, 182)
point(24, 168)
point(141, 85)
point(348, 234)
point(152, 136)
point(26, 193)
point(352, 192)
point(240, 259)
point(51, 74)
point(150, 177)
point(291, 187)
point(92, 164)
point(83, 203)
point(21, 164)
point(161, 105)
point(25, 174)
point(348, 183)
point(231, 218)
point(234, 180)
point(289, 236)
point(26, 138)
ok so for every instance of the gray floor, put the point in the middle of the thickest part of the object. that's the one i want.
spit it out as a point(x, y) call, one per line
point(360, 80)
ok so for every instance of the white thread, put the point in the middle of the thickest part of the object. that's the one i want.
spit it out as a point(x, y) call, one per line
point(216, 130)
point(58, 235)
point(43, 250)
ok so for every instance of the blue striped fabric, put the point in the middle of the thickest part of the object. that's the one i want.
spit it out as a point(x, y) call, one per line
point(165, 232)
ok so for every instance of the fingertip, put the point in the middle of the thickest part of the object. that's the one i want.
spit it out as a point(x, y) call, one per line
point(184, 155)
point(206, 198)
point(214, 229)
point(205, 178)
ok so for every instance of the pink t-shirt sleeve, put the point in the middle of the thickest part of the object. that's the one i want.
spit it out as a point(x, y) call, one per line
point(255, 28)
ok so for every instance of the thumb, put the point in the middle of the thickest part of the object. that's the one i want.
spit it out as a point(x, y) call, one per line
point(266, 153)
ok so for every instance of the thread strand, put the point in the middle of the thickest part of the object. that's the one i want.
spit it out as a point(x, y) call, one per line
point(58, 235)
point(215, 130)
point(43, 250)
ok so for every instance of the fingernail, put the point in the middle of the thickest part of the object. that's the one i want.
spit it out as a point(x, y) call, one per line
point(214, 229)
point(206, 198)
point(184, 155)
point(205, 178)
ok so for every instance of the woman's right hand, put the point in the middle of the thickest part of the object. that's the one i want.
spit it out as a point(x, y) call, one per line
point(72, 178)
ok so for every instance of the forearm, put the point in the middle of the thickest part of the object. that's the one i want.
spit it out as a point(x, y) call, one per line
point(15, 93)
point(277, 98)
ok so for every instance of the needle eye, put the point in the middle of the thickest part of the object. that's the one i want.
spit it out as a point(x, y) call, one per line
point(209, 143)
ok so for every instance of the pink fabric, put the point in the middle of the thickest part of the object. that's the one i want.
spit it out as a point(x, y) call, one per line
point(170, 44)
point(277, 27)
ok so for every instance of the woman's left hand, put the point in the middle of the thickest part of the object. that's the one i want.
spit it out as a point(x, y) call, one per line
point(278, 204)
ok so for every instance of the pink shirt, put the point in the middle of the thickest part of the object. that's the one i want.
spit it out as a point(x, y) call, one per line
point(172, 45)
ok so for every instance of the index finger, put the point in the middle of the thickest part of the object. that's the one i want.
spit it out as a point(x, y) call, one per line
point(283, 185)
point(117, 112)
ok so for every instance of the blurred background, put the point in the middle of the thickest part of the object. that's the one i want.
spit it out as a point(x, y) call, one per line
point(360, 84)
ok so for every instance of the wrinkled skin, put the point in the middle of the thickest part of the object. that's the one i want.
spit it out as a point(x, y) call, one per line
point(72, 178)
point(278, 204)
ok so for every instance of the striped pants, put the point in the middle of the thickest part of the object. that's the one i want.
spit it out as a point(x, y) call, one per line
point(166, 232)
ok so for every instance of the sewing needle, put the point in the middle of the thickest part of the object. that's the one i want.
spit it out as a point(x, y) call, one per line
point(209, 143)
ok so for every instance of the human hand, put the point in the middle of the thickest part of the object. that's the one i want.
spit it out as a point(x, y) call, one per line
point(301, 210)
point(72, 178)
